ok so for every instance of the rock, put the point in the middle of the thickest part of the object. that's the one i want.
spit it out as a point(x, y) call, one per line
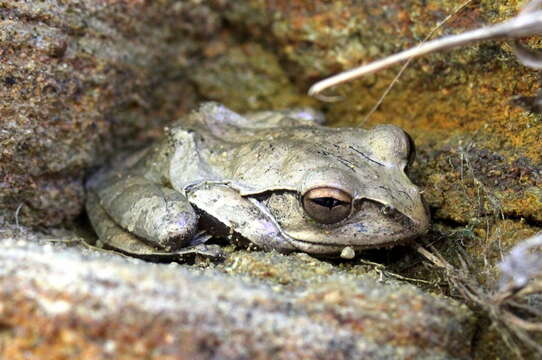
point(76, 302)
point(247, 78)
point(78, 77)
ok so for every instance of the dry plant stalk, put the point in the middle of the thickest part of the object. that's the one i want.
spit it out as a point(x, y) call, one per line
point(507, 306)
point(527, 23)
point(407, 63)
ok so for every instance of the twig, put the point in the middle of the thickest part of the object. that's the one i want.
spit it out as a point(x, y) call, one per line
point(499, 307)
point(407, 63)
point(381, 269)
point(527, 23)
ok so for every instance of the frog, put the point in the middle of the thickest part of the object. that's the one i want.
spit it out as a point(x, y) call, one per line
point(274, 180)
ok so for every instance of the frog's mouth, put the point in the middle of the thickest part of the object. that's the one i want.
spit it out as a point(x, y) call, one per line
point(336, 249)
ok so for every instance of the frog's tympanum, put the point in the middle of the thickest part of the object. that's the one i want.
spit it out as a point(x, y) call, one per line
point(280, 180)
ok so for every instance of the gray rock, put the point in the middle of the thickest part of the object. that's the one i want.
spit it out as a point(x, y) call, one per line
point(78, 77)
point(72, 300)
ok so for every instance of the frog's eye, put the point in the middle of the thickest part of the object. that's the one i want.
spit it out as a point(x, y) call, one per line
point(327, 205)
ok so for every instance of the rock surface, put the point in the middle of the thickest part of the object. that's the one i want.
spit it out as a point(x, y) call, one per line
point(247, 78)
point(61, 302)
point(80, 79)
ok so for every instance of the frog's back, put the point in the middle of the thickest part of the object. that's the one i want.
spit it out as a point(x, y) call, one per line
point(266, 151)
point(214, 143)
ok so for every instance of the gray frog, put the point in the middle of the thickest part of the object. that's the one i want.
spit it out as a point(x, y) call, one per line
point(280, 180)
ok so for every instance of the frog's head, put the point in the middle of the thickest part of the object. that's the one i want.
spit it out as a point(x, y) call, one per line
point(354, 192)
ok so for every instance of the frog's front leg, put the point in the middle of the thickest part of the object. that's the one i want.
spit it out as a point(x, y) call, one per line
point(112, 236)
point(160, 216)
point(246, 216)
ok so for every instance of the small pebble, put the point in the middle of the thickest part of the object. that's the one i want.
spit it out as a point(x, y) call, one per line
point(348, 253)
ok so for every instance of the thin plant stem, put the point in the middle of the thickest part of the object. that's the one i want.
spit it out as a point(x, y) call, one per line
point(407, 63)
point(527, 23)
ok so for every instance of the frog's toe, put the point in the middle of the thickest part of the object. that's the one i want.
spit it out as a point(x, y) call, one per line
point(213, 252)
point(200, 238)
point(172, 232)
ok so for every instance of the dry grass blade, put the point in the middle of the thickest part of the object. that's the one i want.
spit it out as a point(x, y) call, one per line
point(407, 63)
point(527, 23)
point(508, 308)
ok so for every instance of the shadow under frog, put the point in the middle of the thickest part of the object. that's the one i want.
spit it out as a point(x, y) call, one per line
point(280, 180)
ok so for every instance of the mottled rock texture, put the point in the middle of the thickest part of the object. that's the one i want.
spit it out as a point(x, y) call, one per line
point(76, 78)
point(69, 303)
point(80, 79)
point(247, 77)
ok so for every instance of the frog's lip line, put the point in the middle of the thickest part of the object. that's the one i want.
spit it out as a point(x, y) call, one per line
point(356, 246)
